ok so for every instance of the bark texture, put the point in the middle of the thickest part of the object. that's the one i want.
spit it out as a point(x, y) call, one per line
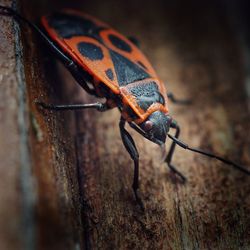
point(66, 177)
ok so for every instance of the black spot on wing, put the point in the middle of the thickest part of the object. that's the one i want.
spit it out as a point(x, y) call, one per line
point(90, 50)
point(146, 94)
point(120, 44)
point(69, 25)
point(126, 71)
point(109, 73)
point(134, 40)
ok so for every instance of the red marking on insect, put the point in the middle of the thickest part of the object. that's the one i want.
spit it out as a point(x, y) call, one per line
point(115, 67)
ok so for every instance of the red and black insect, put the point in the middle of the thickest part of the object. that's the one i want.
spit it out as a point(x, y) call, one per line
point(107, 64)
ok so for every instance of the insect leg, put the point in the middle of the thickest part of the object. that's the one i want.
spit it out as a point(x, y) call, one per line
point(98, 106)
point(172, 97)
point(72, 67)
point(171, 152)
point(86, 87)
point(81, 77)
point(129, 144)
point(4, 10)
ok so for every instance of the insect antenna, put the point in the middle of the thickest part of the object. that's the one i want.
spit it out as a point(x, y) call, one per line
point(199, 151)
point(4, 10)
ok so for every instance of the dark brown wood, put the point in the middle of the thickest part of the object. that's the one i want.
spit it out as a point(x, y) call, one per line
point(16, 193)
point(9, 170)
point(80, 196)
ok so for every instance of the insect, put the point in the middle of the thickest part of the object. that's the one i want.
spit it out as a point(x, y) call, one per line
point(107, 64)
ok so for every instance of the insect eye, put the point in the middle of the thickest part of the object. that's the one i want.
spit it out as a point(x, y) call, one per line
point(148, 125)
point(169, 121)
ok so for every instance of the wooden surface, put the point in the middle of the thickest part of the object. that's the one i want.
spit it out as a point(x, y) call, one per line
point(81, 195)
point(16, 191)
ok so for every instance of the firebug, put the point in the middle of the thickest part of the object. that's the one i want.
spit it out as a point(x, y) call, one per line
point(107, 64)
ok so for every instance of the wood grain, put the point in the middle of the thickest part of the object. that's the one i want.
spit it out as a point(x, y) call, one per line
point(82, 173)
point(16, 187)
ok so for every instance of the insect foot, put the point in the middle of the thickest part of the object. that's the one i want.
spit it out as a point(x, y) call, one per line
point(138, 199)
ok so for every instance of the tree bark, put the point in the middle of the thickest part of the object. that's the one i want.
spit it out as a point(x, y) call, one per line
point(73, 174)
